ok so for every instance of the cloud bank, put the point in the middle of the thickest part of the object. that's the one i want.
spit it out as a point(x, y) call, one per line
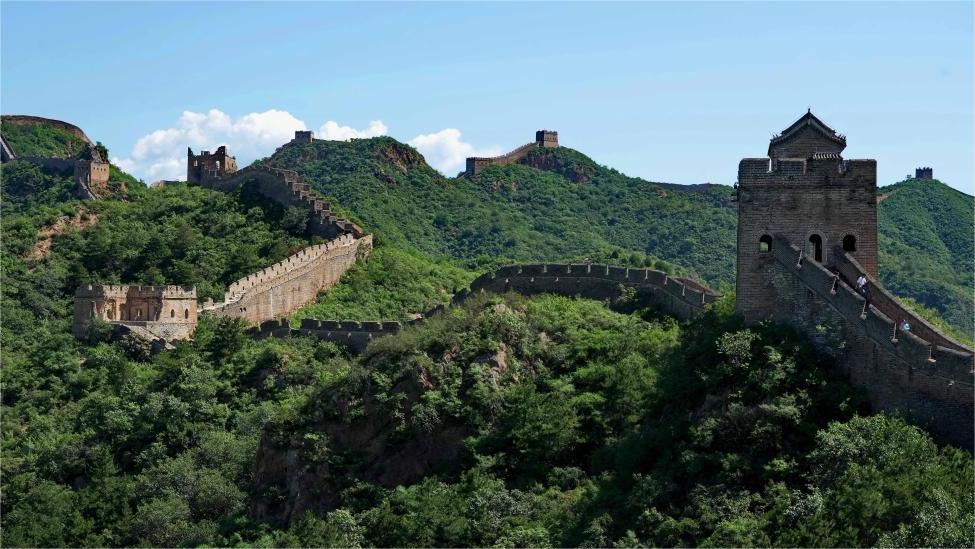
point(161, 154)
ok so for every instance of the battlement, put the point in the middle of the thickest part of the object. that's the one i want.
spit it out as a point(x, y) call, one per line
point(543, 139)
point(681, 297)
point(291, 283)
point(105, 290)
point(924, 173)
point(167, 312)
point(825, 170)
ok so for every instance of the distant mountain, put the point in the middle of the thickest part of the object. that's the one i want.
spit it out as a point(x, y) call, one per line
point(560, 205)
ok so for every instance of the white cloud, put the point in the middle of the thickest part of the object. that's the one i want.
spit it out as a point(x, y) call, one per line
point(445, 151)
point(332, 131)
point(162, 153)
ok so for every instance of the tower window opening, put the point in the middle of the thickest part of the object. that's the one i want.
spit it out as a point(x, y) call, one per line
point(816, 247)
point(172, 313)
point(186, 314)
point(849, 243)
point(765, 243)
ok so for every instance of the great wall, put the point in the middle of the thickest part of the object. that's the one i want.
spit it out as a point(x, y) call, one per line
point(677, 296)
point(803, 192)
point(544, 139)
point(90, 171)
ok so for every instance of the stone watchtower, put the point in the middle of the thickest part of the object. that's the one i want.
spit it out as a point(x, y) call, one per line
point(209, 166)
point(806, 192)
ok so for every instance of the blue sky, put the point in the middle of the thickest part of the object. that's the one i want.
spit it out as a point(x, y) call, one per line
point(669, 92)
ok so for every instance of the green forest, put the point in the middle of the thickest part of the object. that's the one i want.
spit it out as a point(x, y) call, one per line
point(505, 422)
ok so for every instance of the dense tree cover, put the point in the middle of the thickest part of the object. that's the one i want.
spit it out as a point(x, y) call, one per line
point(557, 204)
point(581, 425)
point(41, 139)
point(601, 429)
point(927, 248)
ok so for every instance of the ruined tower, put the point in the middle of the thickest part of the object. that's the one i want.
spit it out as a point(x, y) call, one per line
point(209, 166)
point(806, 192)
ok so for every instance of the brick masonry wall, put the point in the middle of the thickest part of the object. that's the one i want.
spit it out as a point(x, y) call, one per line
point(476, 165)
point(674, 295)
point(797, 199)
point(288, 189)
point(285, 287)
point(931, 384)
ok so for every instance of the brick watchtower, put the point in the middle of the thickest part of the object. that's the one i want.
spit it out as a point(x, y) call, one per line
point(806, 192)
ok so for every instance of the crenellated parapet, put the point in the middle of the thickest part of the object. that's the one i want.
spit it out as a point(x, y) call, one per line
point(165, 312)
point(288, 285)
point(920, 372)
point(545, 139)
point(678, 296)
point(287, 188)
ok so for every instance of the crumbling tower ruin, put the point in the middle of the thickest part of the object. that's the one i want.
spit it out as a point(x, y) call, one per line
point(205, 165)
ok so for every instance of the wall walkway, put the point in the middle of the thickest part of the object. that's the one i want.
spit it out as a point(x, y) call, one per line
point(922, 374)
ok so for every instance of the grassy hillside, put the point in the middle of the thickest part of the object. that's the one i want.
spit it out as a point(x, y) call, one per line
point(41, 139)
point(517, 213)
point(927, 247)
point(557, 204)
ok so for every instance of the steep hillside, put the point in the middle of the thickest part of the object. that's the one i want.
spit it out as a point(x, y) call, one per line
point(520, 213)
point(927, 247)
point(554, 422)
point(34, 136)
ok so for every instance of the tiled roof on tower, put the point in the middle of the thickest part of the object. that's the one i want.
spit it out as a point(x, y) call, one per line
point(805, 137)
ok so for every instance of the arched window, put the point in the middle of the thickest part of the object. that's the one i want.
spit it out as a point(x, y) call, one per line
point(849, 243)
point(186, 314)
point(816, 247)
point(765, 243)
point(172, 313)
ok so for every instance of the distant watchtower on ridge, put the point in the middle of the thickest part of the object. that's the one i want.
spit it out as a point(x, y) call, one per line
point(924, 173)
point(806, 192)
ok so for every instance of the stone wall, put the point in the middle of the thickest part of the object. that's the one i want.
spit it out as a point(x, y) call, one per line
point(168, 312)
point(677, 296)
point(930, 382)
point(831, 198)
point(543, 138)
point(288, 188)
point(288, 285)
